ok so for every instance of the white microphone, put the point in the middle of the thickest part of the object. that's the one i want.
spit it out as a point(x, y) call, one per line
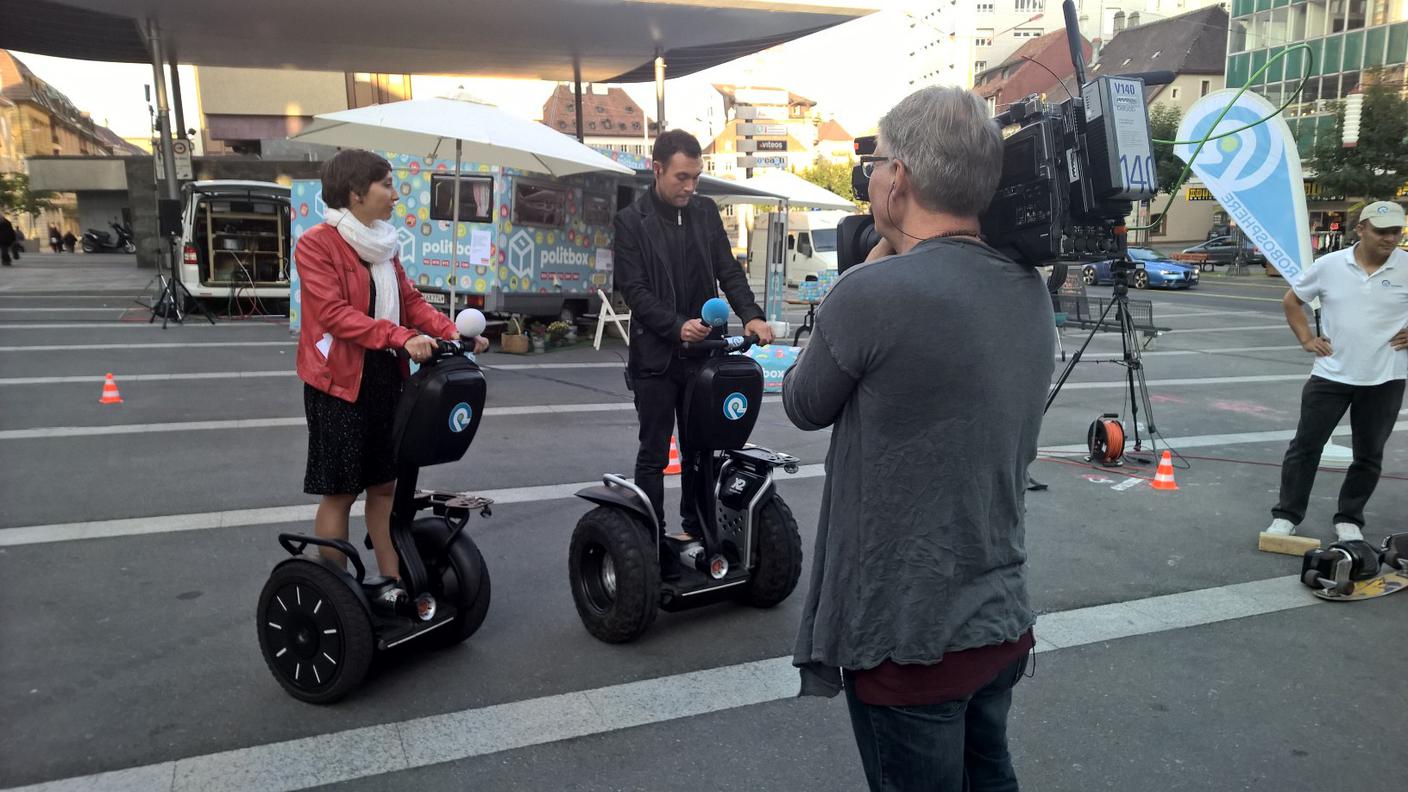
point(470, 322)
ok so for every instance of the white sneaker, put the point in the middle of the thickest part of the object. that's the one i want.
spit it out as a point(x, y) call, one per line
point(1281, 527)
point(1348, 532)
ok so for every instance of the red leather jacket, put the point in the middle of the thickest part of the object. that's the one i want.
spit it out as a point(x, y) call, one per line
point(336, 294)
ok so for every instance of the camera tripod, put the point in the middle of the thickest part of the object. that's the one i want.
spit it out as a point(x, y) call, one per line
point(173, 294)
point(1138, 393)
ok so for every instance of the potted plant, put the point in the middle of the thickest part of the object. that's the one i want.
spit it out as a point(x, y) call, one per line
point(558, 334)
point(538, 333)
point(514, 340)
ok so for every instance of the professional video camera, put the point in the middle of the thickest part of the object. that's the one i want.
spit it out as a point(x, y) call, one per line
point(1069, 172)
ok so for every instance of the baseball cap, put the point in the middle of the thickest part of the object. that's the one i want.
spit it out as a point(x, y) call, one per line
point(1383, 214)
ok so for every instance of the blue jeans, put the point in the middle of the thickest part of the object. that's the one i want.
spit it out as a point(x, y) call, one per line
point(957, 746)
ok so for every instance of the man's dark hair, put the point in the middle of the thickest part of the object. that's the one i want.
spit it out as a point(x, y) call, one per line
point(351, 171)
point(672, 142)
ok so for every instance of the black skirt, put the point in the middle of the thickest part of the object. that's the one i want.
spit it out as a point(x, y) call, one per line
point(349, 444)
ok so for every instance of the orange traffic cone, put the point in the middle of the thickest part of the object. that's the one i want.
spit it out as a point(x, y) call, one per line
point(673, 467)
point(1163, 479)
point(110, 394)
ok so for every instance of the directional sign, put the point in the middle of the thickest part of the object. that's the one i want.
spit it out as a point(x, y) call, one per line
point(746, 113)
point(768, 130)
point(762, 162)
point(771, 145)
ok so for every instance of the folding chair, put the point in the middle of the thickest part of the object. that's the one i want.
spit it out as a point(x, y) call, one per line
point(608, 314)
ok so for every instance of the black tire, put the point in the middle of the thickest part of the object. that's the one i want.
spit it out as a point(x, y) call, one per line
point(1311, 578)
point(1207, 266)
point(801, 333)
point(615, 574)
point(129, 247)
point(1088, 276)
point(779, 551)
point(1141, 279)
point(466, 563)
point(88, 247)
point(306, 601)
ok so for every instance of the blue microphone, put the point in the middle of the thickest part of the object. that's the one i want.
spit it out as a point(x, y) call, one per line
point(714, 313)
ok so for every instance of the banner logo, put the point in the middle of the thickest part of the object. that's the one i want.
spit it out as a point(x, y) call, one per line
point(1255, 174)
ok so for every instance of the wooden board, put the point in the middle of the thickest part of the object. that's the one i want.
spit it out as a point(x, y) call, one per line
point(1381, 586)
point(1287, 544)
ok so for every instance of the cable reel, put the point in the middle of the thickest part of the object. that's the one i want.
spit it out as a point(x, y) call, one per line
point(1105, 439)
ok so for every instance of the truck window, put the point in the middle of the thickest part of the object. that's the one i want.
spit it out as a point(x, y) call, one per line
point(804, 244)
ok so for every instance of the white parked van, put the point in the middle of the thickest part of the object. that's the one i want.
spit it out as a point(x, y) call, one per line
point(235, 243)
point(811, 244)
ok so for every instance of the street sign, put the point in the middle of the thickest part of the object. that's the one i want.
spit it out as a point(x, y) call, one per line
point(772, 145)
point(762, 130)
point(747, 145)
point(182, 149)
point(762, 162)
point(747, 113)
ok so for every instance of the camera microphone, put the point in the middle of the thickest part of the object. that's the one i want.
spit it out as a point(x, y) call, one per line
point(470, 322)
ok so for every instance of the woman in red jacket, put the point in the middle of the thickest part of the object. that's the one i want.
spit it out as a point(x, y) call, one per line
point(359, 309)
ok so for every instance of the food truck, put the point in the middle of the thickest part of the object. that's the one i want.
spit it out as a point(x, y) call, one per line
point(527, 244)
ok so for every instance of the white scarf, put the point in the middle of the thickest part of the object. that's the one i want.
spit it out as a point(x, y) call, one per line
point(375, 245)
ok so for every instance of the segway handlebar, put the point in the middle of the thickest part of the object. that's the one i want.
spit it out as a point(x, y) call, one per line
point(729, 344)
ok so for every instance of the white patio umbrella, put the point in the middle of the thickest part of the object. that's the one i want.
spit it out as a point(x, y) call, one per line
point(798, 192)
point(480, 131)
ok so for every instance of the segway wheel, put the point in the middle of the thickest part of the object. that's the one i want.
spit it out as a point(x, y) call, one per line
point(615, 574)
point(315, 636)
point(464, 581)
point(779, 553)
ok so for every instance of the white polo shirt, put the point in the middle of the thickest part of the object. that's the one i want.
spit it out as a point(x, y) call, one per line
point(1359, 314)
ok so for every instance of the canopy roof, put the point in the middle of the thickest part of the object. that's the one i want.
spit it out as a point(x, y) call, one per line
point(609, 40)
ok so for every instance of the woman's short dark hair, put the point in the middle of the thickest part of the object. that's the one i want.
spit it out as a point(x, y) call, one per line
point(351, 171)
point(672, 142)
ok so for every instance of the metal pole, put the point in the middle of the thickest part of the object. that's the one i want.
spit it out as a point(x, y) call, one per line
point(176, 102)
point(577, 89)
point(659, 91)
point(455, 232)
point(168, 157)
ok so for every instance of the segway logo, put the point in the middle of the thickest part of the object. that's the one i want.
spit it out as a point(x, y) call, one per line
point(460, 417)
point(735, 406)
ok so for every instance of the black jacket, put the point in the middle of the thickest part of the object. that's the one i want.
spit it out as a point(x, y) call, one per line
point(643, 277)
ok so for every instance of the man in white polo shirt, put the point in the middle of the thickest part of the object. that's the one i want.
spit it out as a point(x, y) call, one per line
point(1360, 365)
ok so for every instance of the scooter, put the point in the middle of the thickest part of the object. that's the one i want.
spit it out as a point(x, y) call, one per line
point(95, 241)
point(623, 567)
point(318, 627)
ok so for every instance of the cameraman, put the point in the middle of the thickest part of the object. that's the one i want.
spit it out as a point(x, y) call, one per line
point(918, 597)
point(671, 255)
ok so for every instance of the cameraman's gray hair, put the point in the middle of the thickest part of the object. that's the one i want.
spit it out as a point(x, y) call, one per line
point(950, 146)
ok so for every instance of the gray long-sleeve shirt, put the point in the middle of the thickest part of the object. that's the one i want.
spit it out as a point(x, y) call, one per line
point(932, 368)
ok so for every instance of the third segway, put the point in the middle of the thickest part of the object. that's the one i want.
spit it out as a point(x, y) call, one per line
point(621, 564)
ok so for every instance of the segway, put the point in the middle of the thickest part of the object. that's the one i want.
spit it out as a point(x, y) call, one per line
point(1342, 570)
point(623, 567)
point(318, 629)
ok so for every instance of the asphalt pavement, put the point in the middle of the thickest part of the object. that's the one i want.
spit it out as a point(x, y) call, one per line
point(134, 540)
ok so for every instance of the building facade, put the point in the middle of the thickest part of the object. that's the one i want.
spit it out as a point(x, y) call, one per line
point(38, 120)
point(610, 118)
point(1352, 42)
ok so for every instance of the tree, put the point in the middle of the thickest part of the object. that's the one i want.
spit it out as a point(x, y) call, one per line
point(1378, 167)
point(834, 176)
point(1163, 125)
point(17, 198)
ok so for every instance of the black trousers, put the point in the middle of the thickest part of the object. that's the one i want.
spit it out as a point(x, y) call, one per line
point(659, 399)
point(1373, 409)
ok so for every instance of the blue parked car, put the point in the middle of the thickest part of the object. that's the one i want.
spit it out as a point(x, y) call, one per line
point(1151, 270)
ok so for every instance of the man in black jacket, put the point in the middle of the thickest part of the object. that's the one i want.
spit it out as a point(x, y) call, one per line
point(671, 255)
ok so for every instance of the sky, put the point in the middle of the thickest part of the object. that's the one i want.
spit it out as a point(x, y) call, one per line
point(855, 91)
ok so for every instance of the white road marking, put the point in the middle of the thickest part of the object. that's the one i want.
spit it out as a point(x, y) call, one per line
point(454, 736)
point(171, 523)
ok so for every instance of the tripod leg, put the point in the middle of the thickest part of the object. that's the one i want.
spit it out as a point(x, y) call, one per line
point(1134, 376)
point(1075, 358)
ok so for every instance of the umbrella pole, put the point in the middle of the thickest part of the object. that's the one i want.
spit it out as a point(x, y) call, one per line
point(455, 232)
